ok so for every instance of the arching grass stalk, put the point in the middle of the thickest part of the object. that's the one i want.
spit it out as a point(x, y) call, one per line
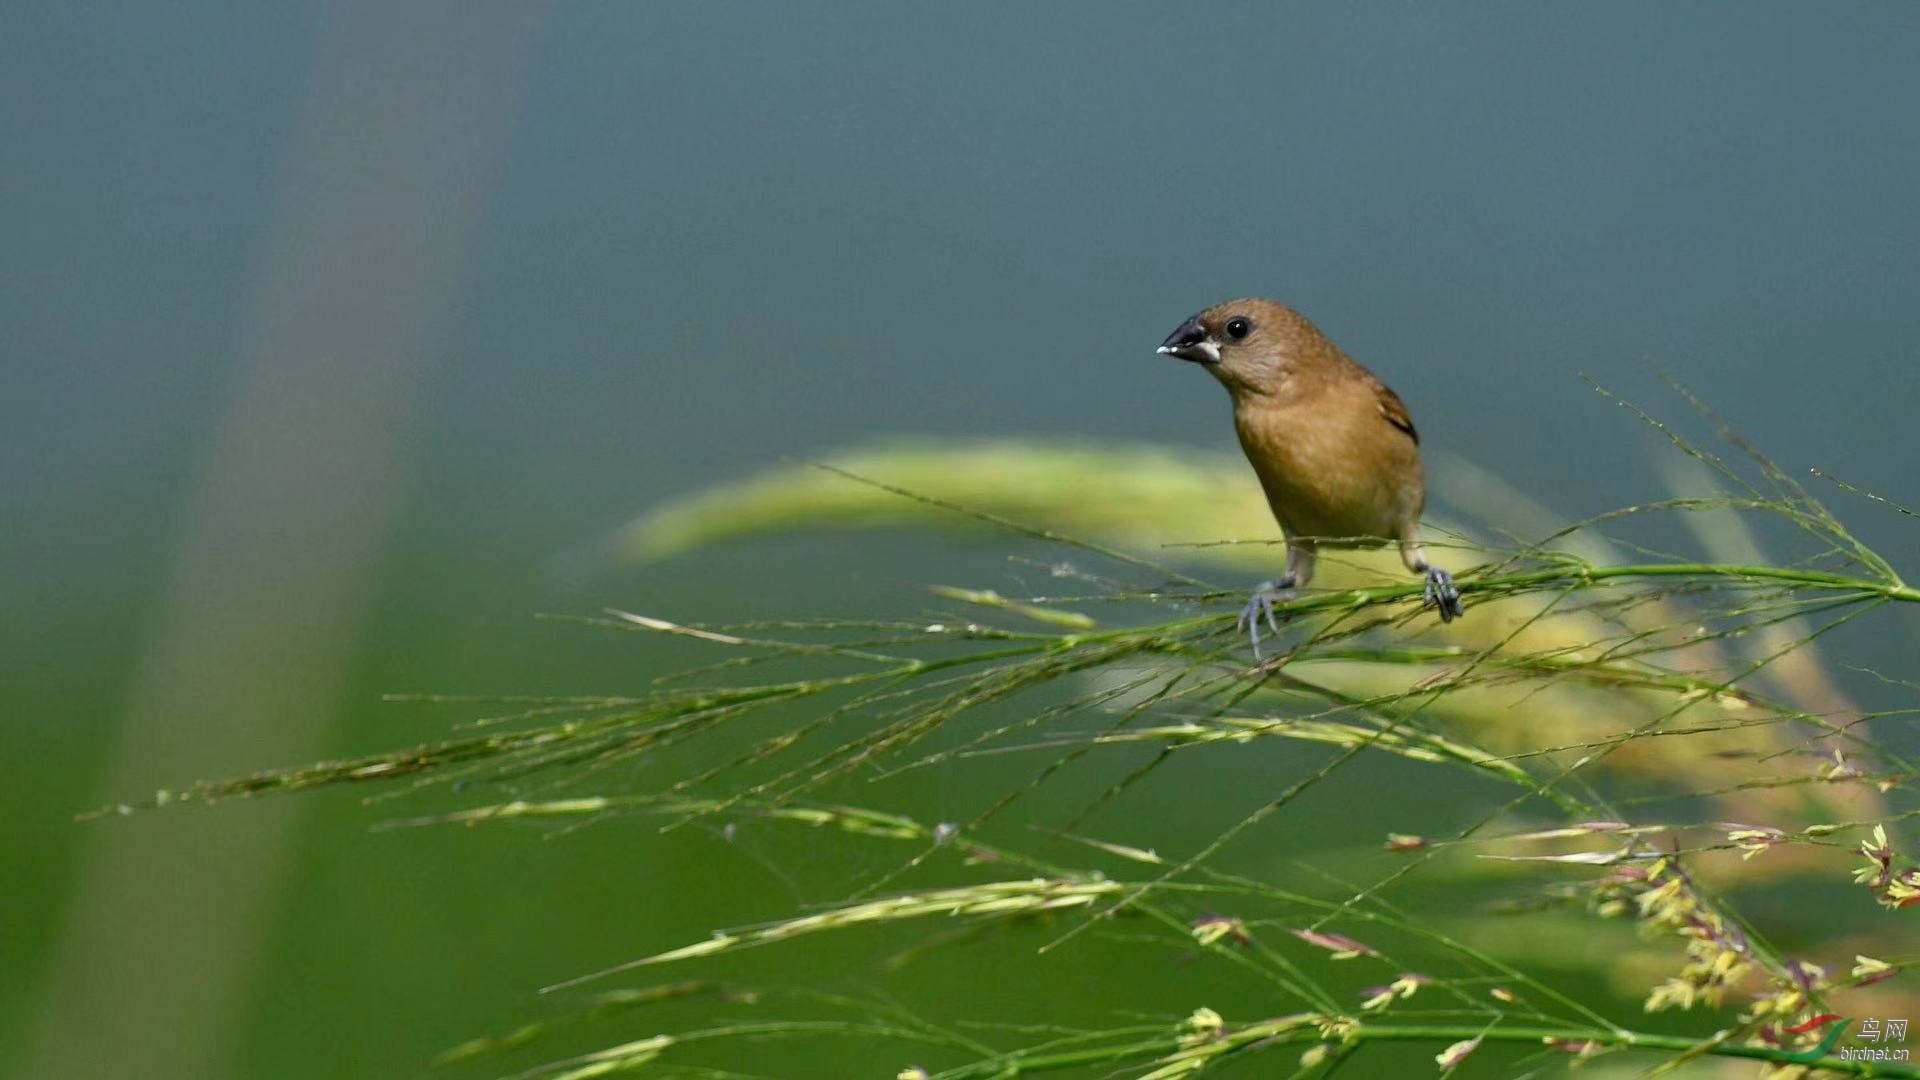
point(616, 725)
point(1578, 692)
point(1182, 1054)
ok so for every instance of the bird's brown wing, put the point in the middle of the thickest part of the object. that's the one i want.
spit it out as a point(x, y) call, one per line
point(1394, 410)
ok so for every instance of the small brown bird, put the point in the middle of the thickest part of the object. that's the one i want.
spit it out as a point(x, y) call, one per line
point(1334, 448)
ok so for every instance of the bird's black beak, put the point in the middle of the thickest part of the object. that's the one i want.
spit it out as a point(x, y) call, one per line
point(1190, 342)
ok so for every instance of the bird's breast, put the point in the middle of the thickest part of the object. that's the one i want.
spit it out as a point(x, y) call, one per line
point(1332, 471)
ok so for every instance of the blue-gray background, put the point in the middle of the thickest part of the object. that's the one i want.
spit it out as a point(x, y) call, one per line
point(705, 236)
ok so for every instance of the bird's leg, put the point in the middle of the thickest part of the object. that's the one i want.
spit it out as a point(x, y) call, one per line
point(1441, 594)
point(1300, 554)
point(1260, 606)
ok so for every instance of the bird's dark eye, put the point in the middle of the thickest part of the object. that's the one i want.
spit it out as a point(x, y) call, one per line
point(1238, 327)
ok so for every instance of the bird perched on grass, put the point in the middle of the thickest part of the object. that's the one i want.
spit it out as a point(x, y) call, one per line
point(1334, 448)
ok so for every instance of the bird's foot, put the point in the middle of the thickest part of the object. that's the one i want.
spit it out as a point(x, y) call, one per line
point(1442, 595)
point(1260, 606)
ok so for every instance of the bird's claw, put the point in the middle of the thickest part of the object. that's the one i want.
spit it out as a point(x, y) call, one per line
point(1260, 606)
point(1442, 594)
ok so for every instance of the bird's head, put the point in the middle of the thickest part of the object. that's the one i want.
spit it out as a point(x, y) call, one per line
point(1253, 346)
